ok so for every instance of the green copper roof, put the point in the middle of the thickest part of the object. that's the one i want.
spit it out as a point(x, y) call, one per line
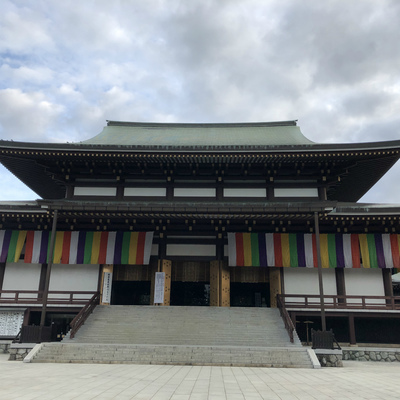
point(285, 133)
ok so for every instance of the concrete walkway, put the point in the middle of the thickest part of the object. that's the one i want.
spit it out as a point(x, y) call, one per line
point(356, 381)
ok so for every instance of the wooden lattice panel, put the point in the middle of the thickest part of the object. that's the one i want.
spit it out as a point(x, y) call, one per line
point(190, 271)
point(275, 284)
point(132, 273)
point(166, 267)
point(225, 286)
point(249, 274)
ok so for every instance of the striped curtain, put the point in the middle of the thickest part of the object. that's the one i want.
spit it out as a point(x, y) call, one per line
point(11, 245)
point(77, 247)
point(300, 250)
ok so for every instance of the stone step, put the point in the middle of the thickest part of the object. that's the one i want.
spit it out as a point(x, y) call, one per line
point(180, 335)
point(180, 355)
point(188, 325)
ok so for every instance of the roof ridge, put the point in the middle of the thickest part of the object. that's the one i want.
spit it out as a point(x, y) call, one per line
point(193, 125)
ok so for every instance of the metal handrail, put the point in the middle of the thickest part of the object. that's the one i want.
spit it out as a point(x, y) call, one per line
point(286, 318)
point(82, 316)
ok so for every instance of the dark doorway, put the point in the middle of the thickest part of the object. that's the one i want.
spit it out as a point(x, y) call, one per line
point(377, 330)
point(59, 321)
point(130, 293)
point(250, 294)
point(190, 294)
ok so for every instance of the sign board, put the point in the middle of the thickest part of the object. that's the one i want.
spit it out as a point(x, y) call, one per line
point(107, 284)
point(10, 322)
point(159, 288)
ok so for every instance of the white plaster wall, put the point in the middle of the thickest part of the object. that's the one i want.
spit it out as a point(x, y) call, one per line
point(145, 192)
point(195, 192)
point(296, 192)
point(154, 250)
point(191, 250)
point(21, 276)
point(83, 277)
point(245, 192)
point(364, 282)
point(95, 191)
point(305, 281)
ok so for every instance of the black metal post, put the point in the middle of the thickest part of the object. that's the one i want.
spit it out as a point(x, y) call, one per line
point(49, 265)
point(321, 285)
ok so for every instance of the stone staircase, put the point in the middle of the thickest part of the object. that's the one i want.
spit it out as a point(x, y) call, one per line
point(180, 335)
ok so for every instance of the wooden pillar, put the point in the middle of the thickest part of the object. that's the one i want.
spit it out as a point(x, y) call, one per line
point(352, 330)
point(275, 284)
point(100, 278)
point(48, 272)
point(387, 281)
point(42, 280)
point(214, 283)
point(107, 268)
point(225, 285)
point(387, 284)
point(293, 317)
point(2, 271)
point(154, 269)
point(166, 266)
point(340, 284)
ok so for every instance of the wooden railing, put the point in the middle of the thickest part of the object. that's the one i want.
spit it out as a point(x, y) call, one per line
point(336, 302)
point(286, 318)
point(36, 297)
point(80, 319)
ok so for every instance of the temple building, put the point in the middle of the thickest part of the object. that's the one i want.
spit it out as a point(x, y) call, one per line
point(232, 214)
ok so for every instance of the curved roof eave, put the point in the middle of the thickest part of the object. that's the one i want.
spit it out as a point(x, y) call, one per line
point(316, 147)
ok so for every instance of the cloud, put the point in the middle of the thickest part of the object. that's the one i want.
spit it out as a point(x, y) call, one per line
point(66, 69)
point(26, 116)
point(24, 29)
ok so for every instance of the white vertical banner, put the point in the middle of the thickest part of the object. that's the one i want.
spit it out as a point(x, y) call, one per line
point(107, 285)
point(159, 288)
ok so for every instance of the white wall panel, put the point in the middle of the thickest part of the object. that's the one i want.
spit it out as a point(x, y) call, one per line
point(191, 250)
point(95, 191)
point(194, 192)
point(21, 276)
point(145, 192)
point(83, 277)
point(364, 282)
point(245, 192)
point(154, 250)
point(296, 192)
point(305, 281)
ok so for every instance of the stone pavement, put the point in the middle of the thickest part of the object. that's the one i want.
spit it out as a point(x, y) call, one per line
point(356, 381)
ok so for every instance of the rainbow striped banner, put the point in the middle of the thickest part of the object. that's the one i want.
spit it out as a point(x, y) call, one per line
point(380, 250)
point(300, 250)
point(11, 245)
point(77, 247)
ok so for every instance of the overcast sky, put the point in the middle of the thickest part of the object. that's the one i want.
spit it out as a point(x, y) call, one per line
point(68, 66)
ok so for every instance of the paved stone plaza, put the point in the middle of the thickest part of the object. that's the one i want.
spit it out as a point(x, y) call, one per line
point(357, 380)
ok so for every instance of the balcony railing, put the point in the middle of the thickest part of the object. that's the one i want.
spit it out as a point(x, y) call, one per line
point(78, 298)
point(337, 302)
